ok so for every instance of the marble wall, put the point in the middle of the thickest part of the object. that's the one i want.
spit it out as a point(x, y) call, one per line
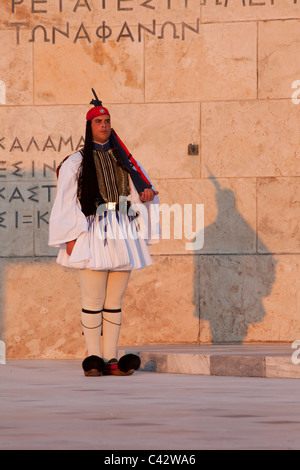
point(221, 76)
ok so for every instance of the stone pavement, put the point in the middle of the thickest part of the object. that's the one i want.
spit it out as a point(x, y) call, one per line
point(51, 405)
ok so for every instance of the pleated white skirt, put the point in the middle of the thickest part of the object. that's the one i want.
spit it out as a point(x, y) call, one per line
point(112, 243)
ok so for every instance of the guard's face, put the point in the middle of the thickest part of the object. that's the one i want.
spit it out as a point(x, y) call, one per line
point(101, 128)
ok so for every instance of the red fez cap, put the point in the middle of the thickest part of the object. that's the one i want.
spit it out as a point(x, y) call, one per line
point(96, 111)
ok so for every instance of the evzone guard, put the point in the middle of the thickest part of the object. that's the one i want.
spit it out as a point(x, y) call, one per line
point(95, 223)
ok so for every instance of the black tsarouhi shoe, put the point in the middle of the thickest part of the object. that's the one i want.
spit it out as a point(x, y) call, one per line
point(93, 366)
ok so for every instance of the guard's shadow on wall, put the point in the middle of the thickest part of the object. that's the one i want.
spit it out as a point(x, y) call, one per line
point(230, 279)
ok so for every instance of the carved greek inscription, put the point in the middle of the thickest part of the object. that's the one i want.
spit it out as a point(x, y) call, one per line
point(28, 185)
point(85, 32)
point(104, 31)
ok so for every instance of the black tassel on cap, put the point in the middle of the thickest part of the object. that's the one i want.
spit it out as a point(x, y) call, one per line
point(96, 102)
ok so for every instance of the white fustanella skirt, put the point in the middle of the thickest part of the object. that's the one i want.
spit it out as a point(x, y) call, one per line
point(111, 243)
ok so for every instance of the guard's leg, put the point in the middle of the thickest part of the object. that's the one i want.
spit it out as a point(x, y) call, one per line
point(91, 322)
point(112, 319)
point(112, 312)
point(93, 291)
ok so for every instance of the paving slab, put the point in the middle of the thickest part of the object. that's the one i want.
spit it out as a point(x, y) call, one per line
point(51, 405)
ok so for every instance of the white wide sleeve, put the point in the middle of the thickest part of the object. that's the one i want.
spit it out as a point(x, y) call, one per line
point(67, 221)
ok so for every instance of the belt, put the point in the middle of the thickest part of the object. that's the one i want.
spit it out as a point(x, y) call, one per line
point(109, 206)
point(114, 207)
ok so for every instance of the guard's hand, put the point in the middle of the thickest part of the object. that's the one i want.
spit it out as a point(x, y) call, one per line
point(148, 195)
point(70, 246)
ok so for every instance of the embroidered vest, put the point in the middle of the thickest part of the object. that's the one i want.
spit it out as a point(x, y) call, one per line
point(112, 179)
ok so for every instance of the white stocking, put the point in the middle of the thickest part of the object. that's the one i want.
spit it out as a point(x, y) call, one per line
point(91, 326)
